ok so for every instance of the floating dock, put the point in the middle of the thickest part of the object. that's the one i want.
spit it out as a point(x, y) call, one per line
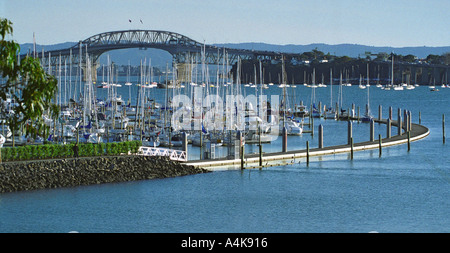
point(414, 132)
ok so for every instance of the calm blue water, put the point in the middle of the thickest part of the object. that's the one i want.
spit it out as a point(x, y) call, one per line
point(399, 192)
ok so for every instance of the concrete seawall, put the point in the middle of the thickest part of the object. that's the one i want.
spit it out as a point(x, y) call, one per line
point(43, 174)
point(417, 132)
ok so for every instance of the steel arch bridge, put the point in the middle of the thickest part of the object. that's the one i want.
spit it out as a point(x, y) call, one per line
point(182, 49)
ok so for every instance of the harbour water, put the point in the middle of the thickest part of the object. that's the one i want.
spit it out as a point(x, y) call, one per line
point(401, 191)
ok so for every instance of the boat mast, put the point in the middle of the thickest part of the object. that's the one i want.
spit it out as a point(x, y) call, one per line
point(392, 69)
point(284, 92)
point(331, 88)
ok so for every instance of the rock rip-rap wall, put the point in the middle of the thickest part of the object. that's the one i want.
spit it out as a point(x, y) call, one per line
point(32, 175)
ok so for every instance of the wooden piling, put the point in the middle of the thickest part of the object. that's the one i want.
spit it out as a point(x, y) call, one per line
point(307, 153)
point(409, 121)
point(284, 140)
point(349, 132)
point(405, 120)
point(443, 128)
point(379, 144)
point(337, 110)
point(420, 118)
point(388, 128)
point(390, 112)
point(372, 130)
point(260, 156)
point(242, 156)
point(320, 136)
point(409, 141)
point(185, 143)
point(260, 147)
point(201, 144)
point(351, 148)
point(358, 115)
point(379, 112)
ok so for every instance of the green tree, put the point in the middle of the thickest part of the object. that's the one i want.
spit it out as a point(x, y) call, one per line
point(342, 59)
point(409, 58)
point(382, 56)
point(446, 58)
point(434, 59)
point(317, 54)
point(27, 83)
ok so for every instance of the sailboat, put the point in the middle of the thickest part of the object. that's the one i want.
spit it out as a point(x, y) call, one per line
point(361, 86)
point(322, 84)
point(330, 113)
point(367, 117)
point(395, 87)
point(292, 127)
point(344, 113)
point(398, 87)
point(409, 86)
point(151, 141)
point(378, 82)
point(315, 110)
point(346, 79)
point(255, 128)
point(300, 111)
point(128, 83)
point(368, 83)
point(433, 86)
point(2, 140)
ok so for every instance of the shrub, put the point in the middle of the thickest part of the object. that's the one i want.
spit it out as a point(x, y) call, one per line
point(6, 154)
point(47, 151)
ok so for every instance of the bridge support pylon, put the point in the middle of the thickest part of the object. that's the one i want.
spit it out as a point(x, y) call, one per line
point(184, 72)
point(93, 71)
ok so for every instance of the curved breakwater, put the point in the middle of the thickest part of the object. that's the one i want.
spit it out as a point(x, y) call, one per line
point(71, 172)
point(416, 132)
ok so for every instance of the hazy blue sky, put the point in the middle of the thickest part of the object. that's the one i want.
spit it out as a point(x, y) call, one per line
point(395, 23)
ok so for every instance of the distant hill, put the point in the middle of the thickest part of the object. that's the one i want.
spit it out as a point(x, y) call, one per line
point(351, 50)
point(160, 58)
point(28, 47)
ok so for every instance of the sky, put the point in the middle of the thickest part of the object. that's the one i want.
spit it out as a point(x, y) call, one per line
point(396, 23)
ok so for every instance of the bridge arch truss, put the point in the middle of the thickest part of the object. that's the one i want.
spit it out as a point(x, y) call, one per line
point(183, 49)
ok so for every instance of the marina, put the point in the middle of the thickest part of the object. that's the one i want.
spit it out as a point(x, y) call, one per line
point(275, 159)
point(222, 118)
point(150, 120)
point(291, 186)
point(340, 150)
point(191, 109)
